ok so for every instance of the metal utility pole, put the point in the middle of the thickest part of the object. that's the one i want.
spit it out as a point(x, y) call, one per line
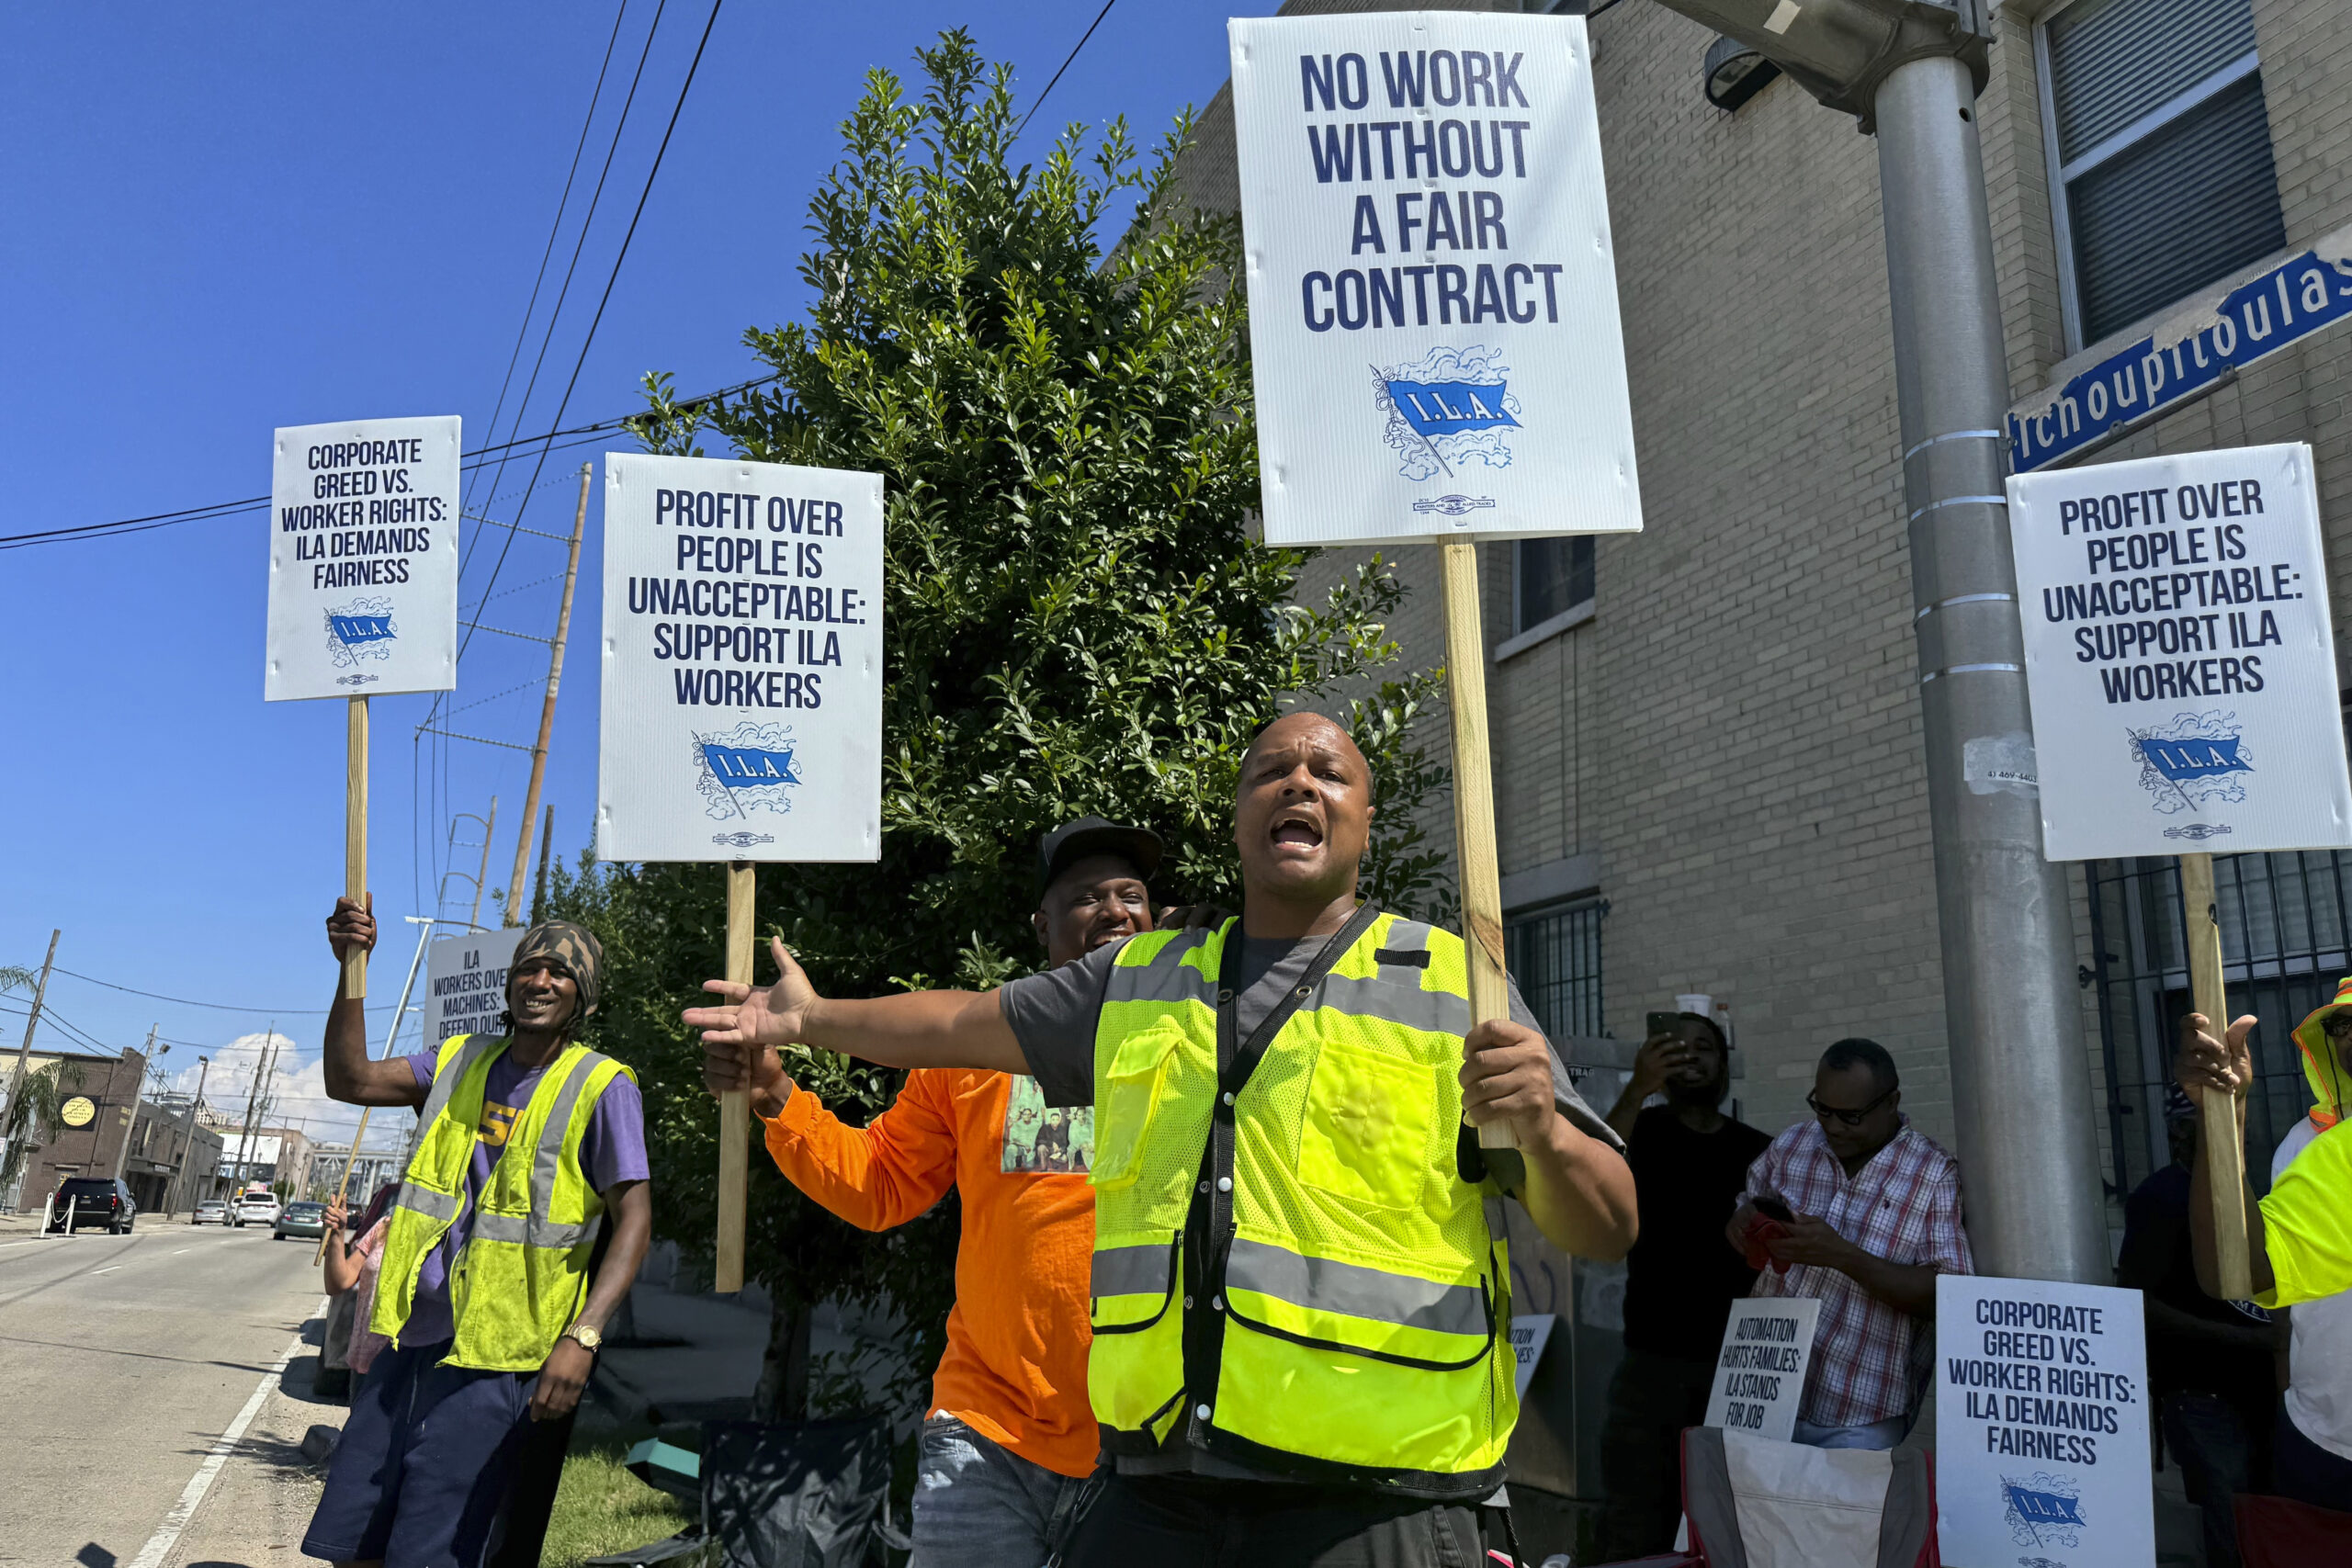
point(146, 1069)
point(24, 1053)
point(1910, 70)
point(547, 707)
point(187, 1138)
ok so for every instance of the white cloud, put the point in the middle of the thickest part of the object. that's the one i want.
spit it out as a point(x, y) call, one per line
point(296, 1090)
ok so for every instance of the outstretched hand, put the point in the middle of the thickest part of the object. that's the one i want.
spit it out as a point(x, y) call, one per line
point(749, 1016)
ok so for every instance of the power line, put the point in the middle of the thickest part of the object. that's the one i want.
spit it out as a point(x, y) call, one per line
point(583, 433)
point(185, 1001)
point(1066, 65)
point(523, 332)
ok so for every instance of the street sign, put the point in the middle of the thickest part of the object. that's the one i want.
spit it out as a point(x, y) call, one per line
point(363, 558)
point(1760, 1371)
point(465, 984)
point(743, 662)
point(2179, 659)
point(1433, 322)
point(2042, 1423)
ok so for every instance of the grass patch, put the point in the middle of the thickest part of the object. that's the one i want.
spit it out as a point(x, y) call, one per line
point(601, 1507)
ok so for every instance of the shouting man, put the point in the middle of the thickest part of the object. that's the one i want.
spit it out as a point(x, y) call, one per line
point(1300, 1300)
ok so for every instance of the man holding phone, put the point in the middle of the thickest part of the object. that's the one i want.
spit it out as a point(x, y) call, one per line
point(1858, 1208)
point(1690, 1162)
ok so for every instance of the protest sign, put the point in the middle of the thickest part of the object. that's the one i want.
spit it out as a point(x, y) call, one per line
point(2179, 657)
point(1433, 326)
point(743, 662)
point(742, 693)
point(1760, 1371)
point(1529, 1332)
point(363, 558)
point(2042, 1424)
point(465, 984)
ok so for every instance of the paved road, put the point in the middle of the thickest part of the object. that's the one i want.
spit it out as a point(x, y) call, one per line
point(123, 1359)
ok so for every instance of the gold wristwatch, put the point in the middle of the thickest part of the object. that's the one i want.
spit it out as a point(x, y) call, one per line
point(589, 1338)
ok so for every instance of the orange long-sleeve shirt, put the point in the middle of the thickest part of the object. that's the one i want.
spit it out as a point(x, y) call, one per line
point(1015, 1367)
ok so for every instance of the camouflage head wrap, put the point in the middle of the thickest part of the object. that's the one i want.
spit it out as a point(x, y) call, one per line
point(570, 948)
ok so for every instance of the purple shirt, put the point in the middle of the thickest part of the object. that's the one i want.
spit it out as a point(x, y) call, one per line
point(612, 1150)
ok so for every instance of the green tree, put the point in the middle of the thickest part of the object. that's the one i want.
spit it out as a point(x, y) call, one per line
point(35, 1116)
point(1078, 619)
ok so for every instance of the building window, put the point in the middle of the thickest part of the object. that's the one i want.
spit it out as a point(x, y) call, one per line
point(1549, 578)
point(2159, 153)
point(1554, 958)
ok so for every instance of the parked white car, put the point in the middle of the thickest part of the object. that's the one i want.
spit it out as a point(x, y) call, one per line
point(257, 1211)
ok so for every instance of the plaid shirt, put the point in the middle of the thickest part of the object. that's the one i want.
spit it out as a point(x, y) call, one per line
point(1869, 1358)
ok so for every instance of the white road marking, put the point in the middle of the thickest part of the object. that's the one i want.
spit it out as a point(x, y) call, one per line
point(168, 1534)
point(107, 1269)
point(177, 1251)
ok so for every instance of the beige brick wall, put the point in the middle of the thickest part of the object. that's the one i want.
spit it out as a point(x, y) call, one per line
point(1735, 734)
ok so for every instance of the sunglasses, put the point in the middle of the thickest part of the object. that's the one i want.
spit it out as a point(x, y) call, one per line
point(1849, 1118)
point(2337, 1024)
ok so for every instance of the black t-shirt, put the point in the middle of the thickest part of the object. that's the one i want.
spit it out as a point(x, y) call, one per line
point(1682, 1277)
point(2157, 1259)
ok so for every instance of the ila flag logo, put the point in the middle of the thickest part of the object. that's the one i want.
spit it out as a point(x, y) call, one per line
point(2191, 764)
point(2043, 1510)
point(753, 765)
point(1451, 408)
point(361, 630)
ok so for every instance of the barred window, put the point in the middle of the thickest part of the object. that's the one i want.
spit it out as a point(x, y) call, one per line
point(1554, 958)
point(2159, 146)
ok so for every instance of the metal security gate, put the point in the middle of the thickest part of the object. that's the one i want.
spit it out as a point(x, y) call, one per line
point(1554, 959)
point(2285, 919)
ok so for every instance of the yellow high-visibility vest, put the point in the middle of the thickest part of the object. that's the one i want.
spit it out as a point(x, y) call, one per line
point(1290, 1271)
point(518, 1281)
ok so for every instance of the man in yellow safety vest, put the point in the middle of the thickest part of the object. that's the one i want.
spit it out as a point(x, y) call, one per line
point(1300, 1292)
point(526, 1139)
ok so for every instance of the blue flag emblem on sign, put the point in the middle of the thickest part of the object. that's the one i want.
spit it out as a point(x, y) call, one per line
point(2197, 759)
point(2044, 1509)
point(749, 767)
point(1442, 408)
point(352, 630)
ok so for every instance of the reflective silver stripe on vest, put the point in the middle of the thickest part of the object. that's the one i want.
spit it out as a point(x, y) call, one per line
point(439, 1207)
point(445, 1082)
point(530, 1230)
point(1133, 1270)
point(1395, 996)
point(549, 1153)
point(1165, 978)
point(1325, 1285)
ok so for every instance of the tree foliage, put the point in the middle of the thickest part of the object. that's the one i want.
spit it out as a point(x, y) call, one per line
point(1078, 619)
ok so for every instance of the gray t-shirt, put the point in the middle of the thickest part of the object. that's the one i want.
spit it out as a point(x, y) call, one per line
point(1054, 1016)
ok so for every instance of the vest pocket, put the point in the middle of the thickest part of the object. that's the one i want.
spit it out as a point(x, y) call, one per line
point(1367, 1130)
point(1126, 1099)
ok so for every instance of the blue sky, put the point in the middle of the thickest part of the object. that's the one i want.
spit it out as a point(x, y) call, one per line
point(215, 220)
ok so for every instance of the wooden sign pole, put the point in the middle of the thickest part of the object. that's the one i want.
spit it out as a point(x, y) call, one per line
point(1474, 802)
point(2224, 1150)
point(735, 1108)
point(354, 839)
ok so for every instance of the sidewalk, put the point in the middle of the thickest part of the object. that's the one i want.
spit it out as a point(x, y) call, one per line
point(261, 1502)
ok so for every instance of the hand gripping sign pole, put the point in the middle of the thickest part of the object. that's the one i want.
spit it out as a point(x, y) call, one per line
point(2225, 1150)
point(742, 696)
point(363, 587)
point(2207, 715)
point(392, 1036)
point(1485, 313)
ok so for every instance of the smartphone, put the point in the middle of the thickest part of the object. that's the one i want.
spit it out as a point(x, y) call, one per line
point(1772, 1208)
point(1659, 1023)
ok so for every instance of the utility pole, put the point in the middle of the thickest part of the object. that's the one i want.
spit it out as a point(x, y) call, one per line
point(539, 893)
point(187, 1138)
point(481, 876)
point(547, 707)
point(23, 1051)
point(146, 1069)
point(1910, 71)
point(253, 1096)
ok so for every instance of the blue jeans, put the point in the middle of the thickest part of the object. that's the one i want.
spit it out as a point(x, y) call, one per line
point(1886, 1434)
point(976, 1501)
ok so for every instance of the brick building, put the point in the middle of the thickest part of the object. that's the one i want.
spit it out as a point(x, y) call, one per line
point(1709, 762)
point(163, 1135)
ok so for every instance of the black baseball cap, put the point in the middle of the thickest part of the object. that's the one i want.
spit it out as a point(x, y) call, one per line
point(1073, 841)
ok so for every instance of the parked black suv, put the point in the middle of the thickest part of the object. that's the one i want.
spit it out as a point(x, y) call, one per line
point(92, 1201)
